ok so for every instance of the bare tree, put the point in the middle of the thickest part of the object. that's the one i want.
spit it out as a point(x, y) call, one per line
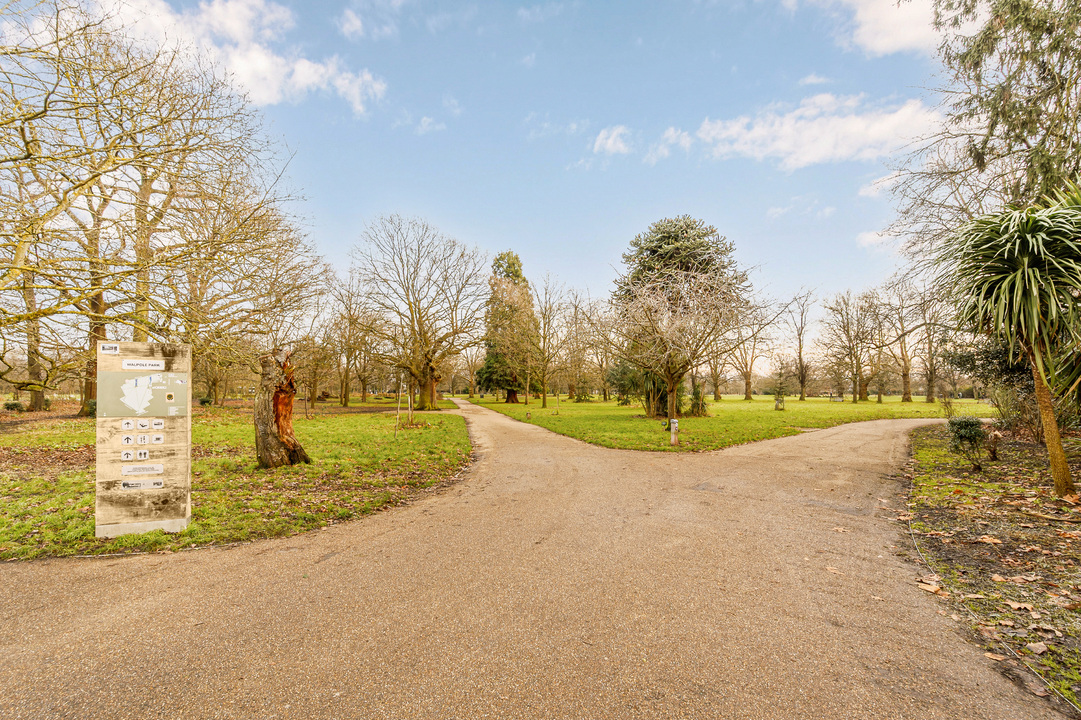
point(550, 337)
point(847, 338)
point(899, 309)
point(933, 315)
point(799, 322)
point(472, 358)
point(429, 290)
point(751, 342)
point(591, 339)
point(665, 322)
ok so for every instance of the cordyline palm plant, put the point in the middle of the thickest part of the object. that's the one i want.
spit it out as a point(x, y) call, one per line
point(1016, 275)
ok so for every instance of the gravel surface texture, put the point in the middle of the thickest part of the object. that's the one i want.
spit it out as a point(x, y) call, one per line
point(557, 580)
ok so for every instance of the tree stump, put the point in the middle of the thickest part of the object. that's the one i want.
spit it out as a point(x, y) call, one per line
point(275, 443)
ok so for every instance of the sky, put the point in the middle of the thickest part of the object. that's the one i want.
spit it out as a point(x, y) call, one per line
point(560, 130)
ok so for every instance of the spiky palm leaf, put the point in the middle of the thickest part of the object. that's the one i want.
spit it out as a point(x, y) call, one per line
point(1016, 275)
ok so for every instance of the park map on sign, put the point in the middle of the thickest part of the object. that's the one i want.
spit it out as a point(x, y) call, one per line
point(155, 395)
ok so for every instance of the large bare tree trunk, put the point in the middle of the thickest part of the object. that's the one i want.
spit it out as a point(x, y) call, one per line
point(747, 386)
point(275, 443)
point(426, 396)
point(673, 389)
point(34, 371)
point(906, 386)
point(344, 386)
point(96, 335)
point(1056, 456)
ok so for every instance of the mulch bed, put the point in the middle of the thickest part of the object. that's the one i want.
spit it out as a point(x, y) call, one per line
point(1004, 554)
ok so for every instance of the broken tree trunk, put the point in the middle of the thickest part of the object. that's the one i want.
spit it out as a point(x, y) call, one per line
point(275, 443)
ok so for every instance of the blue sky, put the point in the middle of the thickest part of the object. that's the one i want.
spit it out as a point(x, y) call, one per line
point(560, 130)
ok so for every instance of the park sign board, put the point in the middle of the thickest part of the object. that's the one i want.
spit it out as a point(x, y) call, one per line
point(143, 438)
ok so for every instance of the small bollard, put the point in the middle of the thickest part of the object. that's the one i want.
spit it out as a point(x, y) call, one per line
point(528, 415)
point(674, 425)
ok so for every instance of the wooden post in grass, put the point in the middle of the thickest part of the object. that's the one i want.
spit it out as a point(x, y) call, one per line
point(398, 412)
point(275, 443)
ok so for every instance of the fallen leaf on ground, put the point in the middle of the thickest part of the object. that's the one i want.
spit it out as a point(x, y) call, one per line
point(989, 540)
point(834, 570)
point(841, 529)
point(997, 578)
point(928, 587)
point(1037, 648)
point(995, 656)
point(876, 597)
point(975, 597)
point(1019, 606)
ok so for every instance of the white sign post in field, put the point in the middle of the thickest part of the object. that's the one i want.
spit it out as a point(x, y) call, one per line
point(143, 438)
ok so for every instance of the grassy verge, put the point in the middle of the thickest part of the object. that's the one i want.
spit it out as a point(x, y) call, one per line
point(1005, 553)
point(731, 422)
point(47, 480)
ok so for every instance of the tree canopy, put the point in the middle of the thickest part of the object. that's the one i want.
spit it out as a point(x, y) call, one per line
point(683, 244)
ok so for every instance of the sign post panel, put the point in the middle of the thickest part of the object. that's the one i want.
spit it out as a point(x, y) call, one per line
point(143, 438)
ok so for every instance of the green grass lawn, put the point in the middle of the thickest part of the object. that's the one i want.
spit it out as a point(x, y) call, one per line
point(47, 480)
point(732, 421)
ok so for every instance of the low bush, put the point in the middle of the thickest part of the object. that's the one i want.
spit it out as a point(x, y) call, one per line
point(967, 438)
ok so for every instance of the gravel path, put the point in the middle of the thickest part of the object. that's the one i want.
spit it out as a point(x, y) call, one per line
point(558, 580)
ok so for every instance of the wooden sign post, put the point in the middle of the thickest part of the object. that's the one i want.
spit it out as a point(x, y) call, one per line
point(143, 438)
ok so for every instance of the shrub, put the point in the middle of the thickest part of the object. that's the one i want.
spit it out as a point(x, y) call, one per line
point(205, 401)
point(14, 405)
point(967, 438)
point(698, 402)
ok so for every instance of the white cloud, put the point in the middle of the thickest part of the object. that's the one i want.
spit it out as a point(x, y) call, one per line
point(351, 25)
point(814, 79)
point(539, 13)
point(428, 125)
point(541, 128)
point(801, 206)
point(247, 38)
point(610, 141)
point(672, 137)
point(881, 27)
point(530, 60)
point(876, 239)
point(375, 19)
point(451, 105)
point(823, 128)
